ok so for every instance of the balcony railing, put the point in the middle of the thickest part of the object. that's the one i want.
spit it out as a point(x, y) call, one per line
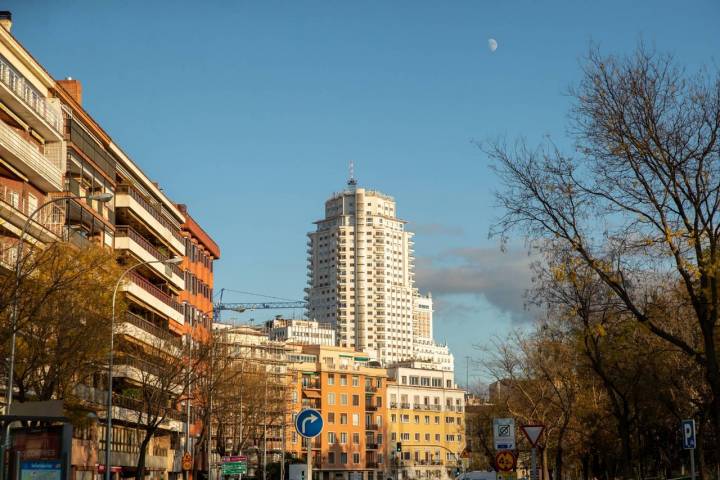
point(51, 217)
point(150, 328)
point(143, 283)
point(49, 168)
point(151, 209)
point(137, 405)
point(371, 408)
point(22, 88)
point(129, 232)
point(311, 385)
point(372, 426)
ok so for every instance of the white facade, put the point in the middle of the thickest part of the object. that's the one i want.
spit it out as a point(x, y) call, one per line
point(306, 332)
point(360, 261)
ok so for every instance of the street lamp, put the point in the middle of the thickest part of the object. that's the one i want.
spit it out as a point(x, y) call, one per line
point(108, 427)
point(100, 197)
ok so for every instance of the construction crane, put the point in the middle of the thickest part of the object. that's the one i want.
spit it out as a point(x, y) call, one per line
point(240, 307)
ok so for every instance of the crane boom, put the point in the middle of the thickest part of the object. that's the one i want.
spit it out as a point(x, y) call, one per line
point(241, 307)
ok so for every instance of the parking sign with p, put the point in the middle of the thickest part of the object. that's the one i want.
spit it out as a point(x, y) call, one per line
point(688, 434)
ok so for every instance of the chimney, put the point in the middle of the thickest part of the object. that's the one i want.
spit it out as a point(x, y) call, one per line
point(73, 87)
point(6, 19)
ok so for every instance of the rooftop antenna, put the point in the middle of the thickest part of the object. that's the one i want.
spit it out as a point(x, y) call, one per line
point(352, 182)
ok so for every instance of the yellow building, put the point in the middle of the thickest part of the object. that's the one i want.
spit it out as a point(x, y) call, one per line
point(426, 422)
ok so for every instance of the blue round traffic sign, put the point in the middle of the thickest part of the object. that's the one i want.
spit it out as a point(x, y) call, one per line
point(309, 423)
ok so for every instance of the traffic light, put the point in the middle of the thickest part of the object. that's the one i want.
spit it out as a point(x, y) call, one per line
point(398, 448)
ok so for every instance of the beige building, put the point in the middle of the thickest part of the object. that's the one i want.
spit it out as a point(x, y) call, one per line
point(361, 280)
point(426, 413)
point(360, 262)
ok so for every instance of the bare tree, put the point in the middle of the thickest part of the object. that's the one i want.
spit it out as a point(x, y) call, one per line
point(638, 203)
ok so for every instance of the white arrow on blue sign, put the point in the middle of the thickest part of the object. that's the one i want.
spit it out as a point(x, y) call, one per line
point(688, 434)
point(309, 423)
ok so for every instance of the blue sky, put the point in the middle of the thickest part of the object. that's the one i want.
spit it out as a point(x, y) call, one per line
point(249, 112)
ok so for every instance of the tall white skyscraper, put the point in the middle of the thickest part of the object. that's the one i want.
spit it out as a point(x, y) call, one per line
point(360, 267)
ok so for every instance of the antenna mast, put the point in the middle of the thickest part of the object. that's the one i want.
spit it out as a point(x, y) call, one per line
point(352, 182)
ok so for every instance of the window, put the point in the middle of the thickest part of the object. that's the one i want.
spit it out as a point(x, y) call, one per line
point(343, 380)
point(437, 420)
point(448, 383)
point(331, 399)
point(356, 438)
point(343, 458)
point(437, 437)
point(355, 419)
point(355, 381)
point(331, 417)
point(417, 437)
point(393, 417)
point(378, 382)
point(343, 438)
point(405, 418)
point(405, 436)
point(343, 399)
point(356, 400)
point(427, 437)
point(343, 419)
point(331, 456)
point(356, 456)
point(393, 436)
point(417, 418)
point(427, 419)
point(332, 438)
point(331, 379)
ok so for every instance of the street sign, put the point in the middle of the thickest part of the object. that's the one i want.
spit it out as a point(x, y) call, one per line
point(504, 433)
point(234, 468)
point(234, 458)
point(688, 434)
point(533, 432)
point(309, 423)
point(187, 462)
point(505, 461)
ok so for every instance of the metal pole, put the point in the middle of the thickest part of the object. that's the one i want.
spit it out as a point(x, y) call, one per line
point(533, 464)
point(187, 393)
point(209, 410)
point(265, 420)
point(692, 464)
point(13, 321)
point(108, 426)
point(309, 460)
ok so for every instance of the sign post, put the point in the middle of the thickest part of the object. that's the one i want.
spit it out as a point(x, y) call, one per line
point(532, 433)
point(689, 442)
point(504, 433)
point(309, 424)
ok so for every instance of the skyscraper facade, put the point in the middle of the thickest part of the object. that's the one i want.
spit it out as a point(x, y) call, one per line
point(361, 280)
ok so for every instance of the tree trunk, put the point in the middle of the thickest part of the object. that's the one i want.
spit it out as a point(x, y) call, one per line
point(712, 374)
point(140, 471)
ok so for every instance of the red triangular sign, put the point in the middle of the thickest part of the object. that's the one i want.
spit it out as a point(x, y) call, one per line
point(533, 432)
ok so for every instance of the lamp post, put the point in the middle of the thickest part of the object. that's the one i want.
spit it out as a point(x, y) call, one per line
point(108, 427)
point(100, 197)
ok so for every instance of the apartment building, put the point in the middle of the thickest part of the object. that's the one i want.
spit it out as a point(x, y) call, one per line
point(252, 412)
point(426, 421)
point(350, 395)
point(308, 332)
point(360, 262)
point(32, 147)
point(49, 147)
point(361, 280)
point(425, 348)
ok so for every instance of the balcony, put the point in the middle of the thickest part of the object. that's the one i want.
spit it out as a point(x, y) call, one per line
point(372, 427)
point(21, 96)
point(311, 385)
point(154, 297)
point(51, 218)
point(371, 465)
point(127, 238)
point(42, 170)
point(372, 446)
point(128, 197)
point(138, 327)
point(371, 408)
point(370, 389)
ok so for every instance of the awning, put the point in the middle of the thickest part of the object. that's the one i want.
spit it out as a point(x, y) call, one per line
point(311, 394)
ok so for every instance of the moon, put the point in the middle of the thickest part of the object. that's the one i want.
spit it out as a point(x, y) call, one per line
point(492, 44)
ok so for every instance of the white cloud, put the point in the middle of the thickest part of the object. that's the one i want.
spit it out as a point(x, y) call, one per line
point(502, 278)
